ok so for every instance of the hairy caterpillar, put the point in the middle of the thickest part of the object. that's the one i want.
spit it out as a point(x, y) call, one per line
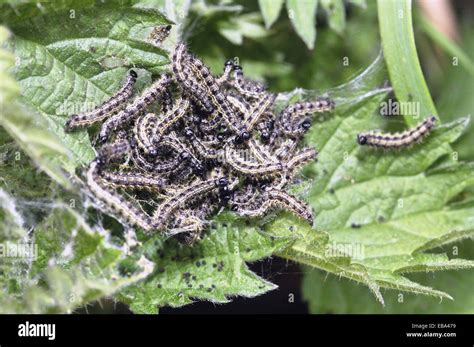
point(258, 111)
point(130, 180)
point(187, 82)
point(202, 149)
point(219, 101)
point(114, 202)
point(106, 108)
point(212, 142)
point(160, 33)
point(248, 88)
point(397, 140)
point(138, 105)
point(277, 199)
point(185, 196)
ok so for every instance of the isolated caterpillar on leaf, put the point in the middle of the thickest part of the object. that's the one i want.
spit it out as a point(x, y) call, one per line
point(397, 140)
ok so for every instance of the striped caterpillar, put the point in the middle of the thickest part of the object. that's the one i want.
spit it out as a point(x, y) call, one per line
point(130, 180)
point(187, 82)
point(159, 34)
point(213, 142)
point(196, 190)
point(105, 109)
point(202, 73)
point(114, 202)
point(276, 199)
point(247, 87)
point(138, 105)
point(397, 140)
point(291, 118)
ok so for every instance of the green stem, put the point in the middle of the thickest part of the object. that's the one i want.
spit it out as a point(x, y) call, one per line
point(448, 45)
point(398, 42)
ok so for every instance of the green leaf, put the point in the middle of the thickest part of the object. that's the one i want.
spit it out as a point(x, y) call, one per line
point(336, 14)
point(455, 99)
point(328, 294)
point(176, 11)
point(302, 15)
point(398, 42)
point(242, 26)
point(270, 10)
point(66, 66)
point(212, 269)
point(378, 212)
point(43, 147)
point(74, 266)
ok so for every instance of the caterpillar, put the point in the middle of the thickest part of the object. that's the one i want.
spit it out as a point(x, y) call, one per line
point(189, 154)
point(260, 152)
point(211, 123)
point(138, 105)
point(290, 118)
point(259, 110)
point(202, 149)
point(286, 149)
point(184, 154)
point(164, 123)
point(183, 197)
point(166, 100)
point(186, 80)
point(219, 101)
point(165, 168)
point(277, 199)
point(397, 140)
point(132, 180)
point(251, 168)
point(114, 151)
point(142, 131)
point(239, 105)
point(160, 33)
point(105, 109)
point(293, 164)
point(301, 158)
point(248, 88)
point(265, 127)
point(113, 202)
point(228, 66)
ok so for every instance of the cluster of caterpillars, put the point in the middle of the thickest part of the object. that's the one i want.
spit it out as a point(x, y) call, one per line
point(197, 143)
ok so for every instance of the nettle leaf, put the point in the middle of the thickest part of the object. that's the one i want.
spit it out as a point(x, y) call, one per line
point(328, 294)
point(67, 61)
point(213, 269)
point(270, 10)
point(302, 15)
point(45, 150)
point(248, 25)
point(377, 212)
point(336, 14)
point(74, 266)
